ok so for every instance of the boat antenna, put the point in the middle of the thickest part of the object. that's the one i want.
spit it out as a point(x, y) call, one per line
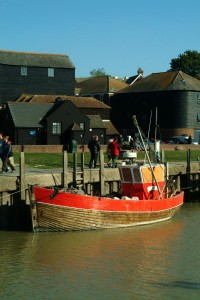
point(146, 152)
point(156, 143)
point(149, 132)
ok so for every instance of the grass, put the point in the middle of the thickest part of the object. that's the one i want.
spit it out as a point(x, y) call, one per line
point(54, 160)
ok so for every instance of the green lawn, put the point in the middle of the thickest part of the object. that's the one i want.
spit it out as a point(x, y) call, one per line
point(54, 160)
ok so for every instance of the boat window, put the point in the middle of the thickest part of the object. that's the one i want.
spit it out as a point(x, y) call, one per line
point(126, 175)
point(136, 174)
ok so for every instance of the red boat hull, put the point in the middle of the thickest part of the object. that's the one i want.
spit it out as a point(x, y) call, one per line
point(67, 211)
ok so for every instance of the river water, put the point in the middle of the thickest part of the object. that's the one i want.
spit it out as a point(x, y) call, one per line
point(159, 261)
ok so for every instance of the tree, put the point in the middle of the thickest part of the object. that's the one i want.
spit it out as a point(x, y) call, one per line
point(188, 62)
point(98, 72)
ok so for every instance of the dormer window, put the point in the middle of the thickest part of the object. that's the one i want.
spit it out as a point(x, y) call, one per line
point(24, 71)
point(50, 72)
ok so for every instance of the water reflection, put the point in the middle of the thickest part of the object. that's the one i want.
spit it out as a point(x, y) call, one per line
point(182, 284)
point(133, 263)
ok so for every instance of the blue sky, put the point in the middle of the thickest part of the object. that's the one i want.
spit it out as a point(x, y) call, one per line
point(119, 36)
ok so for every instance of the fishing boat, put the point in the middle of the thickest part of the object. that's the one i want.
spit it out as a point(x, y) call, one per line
point(147, 196)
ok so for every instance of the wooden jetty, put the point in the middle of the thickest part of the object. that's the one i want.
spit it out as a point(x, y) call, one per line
point(15, 192)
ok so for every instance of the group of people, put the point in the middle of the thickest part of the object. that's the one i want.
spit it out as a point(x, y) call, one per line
point(6, 153)
point(113, 150)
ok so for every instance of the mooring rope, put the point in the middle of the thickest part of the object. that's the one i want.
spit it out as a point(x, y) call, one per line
point(10, 194)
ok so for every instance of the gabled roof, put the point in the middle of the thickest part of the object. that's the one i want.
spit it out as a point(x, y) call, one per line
point(80, 80)
point(110, 128)
point(35, 59)
point(28, 115)
point(101, 84)
point(95, 121)
point(81, 102)
point(166, 81)
point(135, 78)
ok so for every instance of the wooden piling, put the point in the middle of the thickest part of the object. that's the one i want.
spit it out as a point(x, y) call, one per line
point(102, 174)
point(33, 210)
point(188, 172)
point(65, 170)
point(74, 168)
point(22, 176)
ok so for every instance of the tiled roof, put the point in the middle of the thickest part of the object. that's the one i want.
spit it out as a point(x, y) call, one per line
point(28, 115)
point(81, 102)
point(166, 81)
point(80, 80)
point(95, 121)
point(110, 128)
point(35, 59)
point(101, 84)
point(87, 102)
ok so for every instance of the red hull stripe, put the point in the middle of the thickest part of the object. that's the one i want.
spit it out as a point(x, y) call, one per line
point(42, 195)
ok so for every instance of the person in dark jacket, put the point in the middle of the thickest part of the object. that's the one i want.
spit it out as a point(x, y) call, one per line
point(3, 153)
point(8, 154)
point(190, 140)
point(94, 147)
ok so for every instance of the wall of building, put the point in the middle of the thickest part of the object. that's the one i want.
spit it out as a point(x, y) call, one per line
point(177, 111)
point(13, 84)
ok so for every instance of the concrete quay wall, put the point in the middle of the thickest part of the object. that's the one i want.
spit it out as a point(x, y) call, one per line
point(55, 178)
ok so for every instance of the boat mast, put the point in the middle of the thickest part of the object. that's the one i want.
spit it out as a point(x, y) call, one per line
point(146, 152)
point(155, 137)
point(156, 142)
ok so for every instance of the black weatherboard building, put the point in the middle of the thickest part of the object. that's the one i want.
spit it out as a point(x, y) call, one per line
point(176, 96)
point(35, 73)
point(53, 120)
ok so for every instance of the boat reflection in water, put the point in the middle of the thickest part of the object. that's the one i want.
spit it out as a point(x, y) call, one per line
point(134, 263)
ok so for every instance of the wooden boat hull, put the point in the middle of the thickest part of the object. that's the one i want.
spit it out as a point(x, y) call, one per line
point(68, 211)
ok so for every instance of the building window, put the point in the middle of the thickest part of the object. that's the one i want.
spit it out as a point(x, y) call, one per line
point(198, 99)
point(198, 117)
point(56, 128)
point(82, 126)
point(50, 72)
point(24, 71)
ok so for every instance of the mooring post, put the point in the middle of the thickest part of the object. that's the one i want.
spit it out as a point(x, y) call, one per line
point(102, 175)
point(178, 182)
point(65, 169)
point(163, 155)
point(83, 168)
point(188, 169)
point(22, 175)
point(74, 168)
point(32, 210)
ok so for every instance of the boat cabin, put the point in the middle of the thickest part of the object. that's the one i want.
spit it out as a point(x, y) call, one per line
point(139, 182)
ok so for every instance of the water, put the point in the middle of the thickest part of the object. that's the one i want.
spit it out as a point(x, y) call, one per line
point(161, 261)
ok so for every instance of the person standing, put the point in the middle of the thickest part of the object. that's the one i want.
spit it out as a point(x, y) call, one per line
point(108, 150)
point(3, 153)
point(114, 150)
point(189, 139)
point(8, 154)
point(94, 147)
